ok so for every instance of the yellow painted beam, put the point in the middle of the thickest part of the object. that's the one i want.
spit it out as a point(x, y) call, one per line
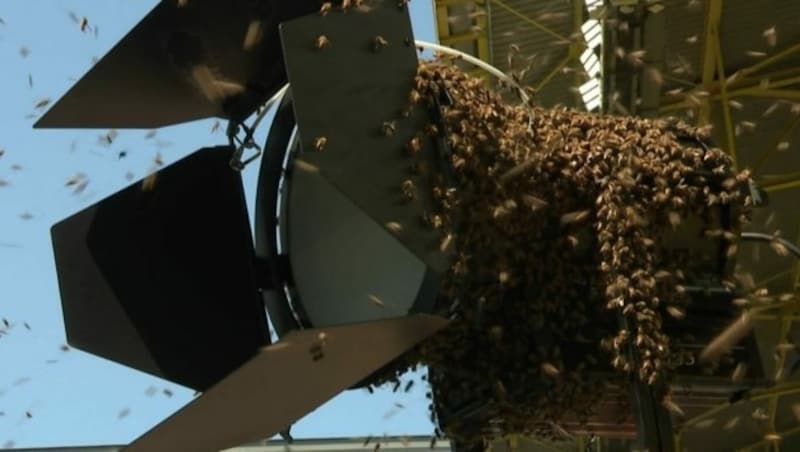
point(783, 186)
point(576, 46)
point(482, 21)
point(776, 79)
point(786, 325)
point(710, 34)
point(779, 390)
point(442, 22)
point(787, 94)
point(462, 37)
point(553, 73)
point(772, 278)
point(772, 59)
point(784, 434)
point(768, 153)
point(796, 269)
point(726, 108)
point(529, 20)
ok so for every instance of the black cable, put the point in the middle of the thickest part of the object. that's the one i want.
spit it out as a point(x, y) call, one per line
point(761, 237)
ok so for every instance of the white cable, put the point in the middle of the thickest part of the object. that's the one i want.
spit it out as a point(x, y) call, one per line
point(475, 62)
point(268, 104)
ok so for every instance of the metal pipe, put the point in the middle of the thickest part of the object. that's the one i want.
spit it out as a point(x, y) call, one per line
point(761, 237)
point(476, 62)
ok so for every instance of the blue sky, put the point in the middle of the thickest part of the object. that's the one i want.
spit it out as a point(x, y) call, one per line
point(75, 398)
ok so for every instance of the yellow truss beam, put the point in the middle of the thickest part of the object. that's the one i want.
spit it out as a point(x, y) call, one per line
point(739, 83)
point(768, 153)
point(710, 45)
point(787, 94)
point(480, 24)
point(772, 278)
point(462, 37)
point(778, 390)
point(554, 72)
point(529, 20)
point(726, 108)
point(796, 269)
point(576, 47)
point(770, 60)
point(784, 434)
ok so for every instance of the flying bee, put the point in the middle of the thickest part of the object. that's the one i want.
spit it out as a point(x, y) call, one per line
point(771, 35)
point(319, 143)
point(321, 42)
point(394, 227)
point(149, 182)
point(414, 146)
point(676, 312)
point(376, 301)
point(389, 128)
point(41, 103)
point(408, 189)
point(550, 370)
point(414, 97)
point(325, 8)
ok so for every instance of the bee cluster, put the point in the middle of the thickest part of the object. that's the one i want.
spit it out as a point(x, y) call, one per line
point(558, 220)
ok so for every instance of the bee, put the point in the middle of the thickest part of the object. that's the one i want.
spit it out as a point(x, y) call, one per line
point(414, 97)
point(574, 217)
point(408, 189)
point(731, 424)
point(446, 242)
point(414, 146)
point(306, 167)
point(389, 128)
point(167, 392)
point(779, 248)
point(378, 43)
point(319, 143)
point(316, 352)
point(550, 370)
point(676, 312)
point(771, 35)
point(325, 8)
point(321, 42)
point(772, 437)
point(672, 407)
point(376, 301)
point(254, 35)
point(41, 103)
point(149, 182)
point(674, 219)
point(394, 227)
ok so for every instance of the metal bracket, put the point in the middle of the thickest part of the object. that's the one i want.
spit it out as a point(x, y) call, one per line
point(240, 144)
point(653, 420)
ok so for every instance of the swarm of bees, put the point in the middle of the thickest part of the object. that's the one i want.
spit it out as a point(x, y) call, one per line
point(558, 220)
